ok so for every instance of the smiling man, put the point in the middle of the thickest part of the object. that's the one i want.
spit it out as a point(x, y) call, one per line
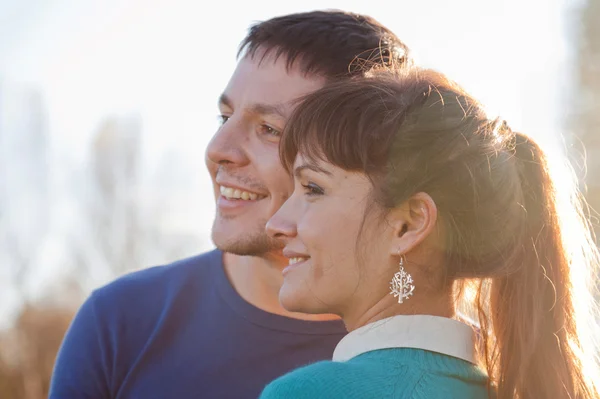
point(212, 326)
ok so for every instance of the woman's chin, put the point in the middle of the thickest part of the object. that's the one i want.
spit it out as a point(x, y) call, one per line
point(293, 300)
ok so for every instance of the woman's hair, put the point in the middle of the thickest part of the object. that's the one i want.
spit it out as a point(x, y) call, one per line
point(509, 228)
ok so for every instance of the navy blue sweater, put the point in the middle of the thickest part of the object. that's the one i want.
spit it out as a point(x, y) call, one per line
point(181, 331)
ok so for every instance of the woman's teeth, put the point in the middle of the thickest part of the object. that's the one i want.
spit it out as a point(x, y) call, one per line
point(297, 260)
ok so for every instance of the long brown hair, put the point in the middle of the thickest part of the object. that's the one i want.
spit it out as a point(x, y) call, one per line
point(416, 131)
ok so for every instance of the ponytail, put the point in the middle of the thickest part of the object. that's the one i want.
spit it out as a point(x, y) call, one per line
point(537, 352)
point(501, 217)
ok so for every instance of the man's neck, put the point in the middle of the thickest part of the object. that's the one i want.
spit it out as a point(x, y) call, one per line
point(258, 281)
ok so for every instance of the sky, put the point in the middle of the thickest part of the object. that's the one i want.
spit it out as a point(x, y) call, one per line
point(166, 61)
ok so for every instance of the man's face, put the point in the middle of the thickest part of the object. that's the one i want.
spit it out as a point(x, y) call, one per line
point(249, 182)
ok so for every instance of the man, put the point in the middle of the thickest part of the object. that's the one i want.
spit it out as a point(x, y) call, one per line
point(211, 326)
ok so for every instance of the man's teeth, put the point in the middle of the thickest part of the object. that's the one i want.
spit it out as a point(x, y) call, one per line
point(296, 260)
point(233, 193)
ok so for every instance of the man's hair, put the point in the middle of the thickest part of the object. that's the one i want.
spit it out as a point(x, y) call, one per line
point(333, 44)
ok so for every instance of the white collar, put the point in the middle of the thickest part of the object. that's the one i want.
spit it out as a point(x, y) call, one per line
point(432, 333)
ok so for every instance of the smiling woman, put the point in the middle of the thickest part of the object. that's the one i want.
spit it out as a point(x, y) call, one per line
point(402, 180)
point(329, 205)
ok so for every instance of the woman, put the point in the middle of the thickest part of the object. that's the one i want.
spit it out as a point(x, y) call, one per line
point(410, 203)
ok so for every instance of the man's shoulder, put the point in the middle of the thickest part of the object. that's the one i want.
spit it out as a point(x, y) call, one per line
point(158, 283)
point(126, 318)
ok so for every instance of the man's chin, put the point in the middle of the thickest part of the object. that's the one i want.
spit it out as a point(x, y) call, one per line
point(243, 243)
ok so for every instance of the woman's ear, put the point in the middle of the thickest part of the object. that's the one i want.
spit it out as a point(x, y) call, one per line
point(412, 222)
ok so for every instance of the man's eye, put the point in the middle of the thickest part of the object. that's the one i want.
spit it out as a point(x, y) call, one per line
point(269, 131)
point(222, 119)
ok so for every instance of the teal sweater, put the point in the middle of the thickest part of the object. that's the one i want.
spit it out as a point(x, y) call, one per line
point(385, 373)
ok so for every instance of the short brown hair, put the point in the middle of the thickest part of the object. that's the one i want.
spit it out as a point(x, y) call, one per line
point(334, 44)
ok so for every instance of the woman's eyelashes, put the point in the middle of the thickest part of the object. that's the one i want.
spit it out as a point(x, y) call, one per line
point(312, 189)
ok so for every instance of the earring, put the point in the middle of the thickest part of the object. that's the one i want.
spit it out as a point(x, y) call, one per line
point(401, 285)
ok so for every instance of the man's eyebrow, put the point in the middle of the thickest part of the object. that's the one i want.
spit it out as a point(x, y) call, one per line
point(268, 109)
point(258, 108)
point(314, 168)
point(224, 100)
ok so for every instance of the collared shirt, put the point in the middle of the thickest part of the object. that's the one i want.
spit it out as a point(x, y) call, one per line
point(432, 333)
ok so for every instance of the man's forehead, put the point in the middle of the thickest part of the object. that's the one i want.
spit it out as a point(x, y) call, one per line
point(269, 82)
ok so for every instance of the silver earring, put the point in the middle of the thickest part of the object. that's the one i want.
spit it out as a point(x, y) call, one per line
point(402, 284)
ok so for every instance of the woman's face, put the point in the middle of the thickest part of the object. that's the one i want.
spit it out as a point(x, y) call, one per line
point(335, 239)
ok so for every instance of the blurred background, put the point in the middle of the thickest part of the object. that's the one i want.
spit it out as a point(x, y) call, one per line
point(106, 109)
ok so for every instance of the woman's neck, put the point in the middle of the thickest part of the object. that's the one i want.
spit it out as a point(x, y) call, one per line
point(388, 306)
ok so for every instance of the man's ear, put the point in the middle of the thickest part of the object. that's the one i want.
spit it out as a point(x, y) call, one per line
point(412, 222)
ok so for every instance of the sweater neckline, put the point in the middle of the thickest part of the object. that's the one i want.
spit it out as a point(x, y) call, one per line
point(265, 319)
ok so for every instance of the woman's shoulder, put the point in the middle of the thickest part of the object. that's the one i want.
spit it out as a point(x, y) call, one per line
point(370, 377)
point(358, 378)
point(322, 379)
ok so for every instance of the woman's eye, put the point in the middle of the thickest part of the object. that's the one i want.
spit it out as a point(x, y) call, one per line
point(312, 189)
